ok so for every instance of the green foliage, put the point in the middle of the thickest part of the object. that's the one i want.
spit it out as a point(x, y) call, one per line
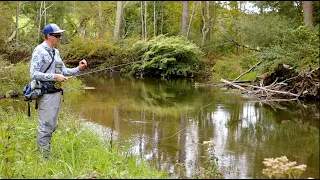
point(273, 29)
point(316, 12)
point(102, 51)
point(77, 152)
point(18, 52)
point(132, 18)
point(298, 47)
point(7, 11)
point(289, 9)
point(14, 77)
point(228, 67)
point(211, 162)
point(165, 56)
point(263, 30)
point(172, 10)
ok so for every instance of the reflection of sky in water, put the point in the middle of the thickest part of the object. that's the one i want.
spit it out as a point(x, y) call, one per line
point(231, 165)
point(234, 164)
point(191, 161)
point(249, 115)
point(233, 161)
point(191, 148)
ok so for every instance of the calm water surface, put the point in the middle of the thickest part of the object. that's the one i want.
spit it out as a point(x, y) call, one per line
point(168, 121)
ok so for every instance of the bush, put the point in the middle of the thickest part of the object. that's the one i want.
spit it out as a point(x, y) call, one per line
point(13, 78)
point(165, 56)
point(95, 51)
point(298, 47)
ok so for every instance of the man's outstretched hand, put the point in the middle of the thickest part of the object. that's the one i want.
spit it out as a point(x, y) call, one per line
point(83, 64)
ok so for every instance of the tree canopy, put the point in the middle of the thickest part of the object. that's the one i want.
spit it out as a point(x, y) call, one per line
point(219, 28)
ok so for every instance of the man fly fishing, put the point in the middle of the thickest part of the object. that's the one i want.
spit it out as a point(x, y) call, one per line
point(47, 66)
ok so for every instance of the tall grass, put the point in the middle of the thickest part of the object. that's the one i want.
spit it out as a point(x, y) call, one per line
point(76, 151)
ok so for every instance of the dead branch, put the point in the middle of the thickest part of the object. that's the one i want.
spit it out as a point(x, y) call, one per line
point(232, 84)
point(236, 43)
point(248, 70)
point(257, 87)
point(283, 82)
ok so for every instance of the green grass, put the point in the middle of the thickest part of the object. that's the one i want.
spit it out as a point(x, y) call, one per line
point(76, 151)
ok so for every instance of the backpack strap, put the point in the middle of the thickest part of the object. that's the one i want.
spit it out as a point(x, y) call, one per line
point(29, 108)
point(37, 102)
point(52, 57)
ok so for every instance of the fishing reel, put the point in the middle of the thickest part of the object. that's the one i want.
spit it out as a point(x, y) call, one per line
point(58, 85)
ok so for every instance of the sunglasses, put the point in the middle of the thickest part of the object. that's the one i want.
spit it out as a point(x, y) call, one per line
point(56, 35)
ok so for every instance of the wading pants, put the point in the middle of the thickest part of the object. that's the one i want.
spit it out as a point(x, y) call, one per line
point(48, 109)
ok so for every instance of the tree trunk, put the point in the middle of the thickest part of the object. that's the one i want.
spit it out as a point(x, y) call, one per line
point(184, 18)
point(45, 12)
point(162, 17)
point(142, 20)
point(119, 15)
point(308, 13)
point(145, 20)
point(193, 12)
point(203, 21)
point(154, 19)
point(39, 23)
point(17, 22)
point(207, 19)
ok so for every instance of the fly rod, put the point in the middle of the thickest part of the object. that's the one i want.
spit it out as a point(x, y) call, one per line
point(105, 69)
point(121, 65)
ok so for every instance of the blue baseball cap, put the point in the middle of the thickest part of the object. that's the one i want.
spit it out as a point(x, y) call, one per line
point(52, 28)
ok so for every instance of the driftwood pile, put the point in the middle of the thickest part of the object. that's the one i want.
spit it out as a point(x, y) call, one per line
point(283, 83)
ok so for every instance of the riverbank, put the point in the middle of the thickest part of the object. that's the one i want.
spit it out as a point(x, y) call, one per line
point(77, 152)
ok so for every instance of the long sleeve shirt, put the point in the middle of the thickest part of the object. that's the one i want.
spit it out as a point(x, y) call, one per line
point(41, 59)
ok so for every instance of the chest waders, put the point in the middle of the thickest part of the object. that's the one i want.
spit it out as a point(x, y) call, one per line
point(49, 105)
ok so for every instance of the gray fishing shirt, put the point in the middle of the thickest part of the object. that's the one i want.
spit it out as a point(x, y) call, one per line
point(41, 59)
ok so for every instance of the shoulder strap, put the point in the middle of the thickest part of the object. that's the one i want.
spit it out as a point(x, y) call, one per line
point(52, 57)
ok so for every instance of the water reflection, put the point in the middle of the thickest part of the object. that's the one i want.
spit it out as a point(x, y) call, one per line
point(168, 120)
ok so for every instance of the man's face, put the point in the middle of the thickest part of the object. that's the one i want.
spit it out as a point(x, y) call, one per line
point(55, 38)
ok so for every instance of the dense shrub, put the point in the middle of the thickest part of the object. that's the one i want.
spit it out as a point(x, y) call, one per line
point(298, 47)
point(165, 56)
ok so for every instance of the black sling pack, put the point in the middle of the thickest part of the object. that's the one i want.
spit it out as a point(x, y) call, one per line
point(29, 95)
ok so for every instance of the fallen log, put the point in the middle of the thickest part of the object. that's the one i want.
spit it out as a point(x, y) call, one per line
point(257, 87)
point(270, 90)
point(284, 81)
point(232, 84)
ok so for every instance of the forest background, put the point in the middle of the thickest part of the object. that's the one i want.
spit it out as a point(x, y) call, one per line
point(216, 39)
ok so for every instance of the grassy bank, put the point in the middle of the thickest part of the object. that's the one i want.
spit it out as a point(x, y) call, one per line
point(76, 151)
